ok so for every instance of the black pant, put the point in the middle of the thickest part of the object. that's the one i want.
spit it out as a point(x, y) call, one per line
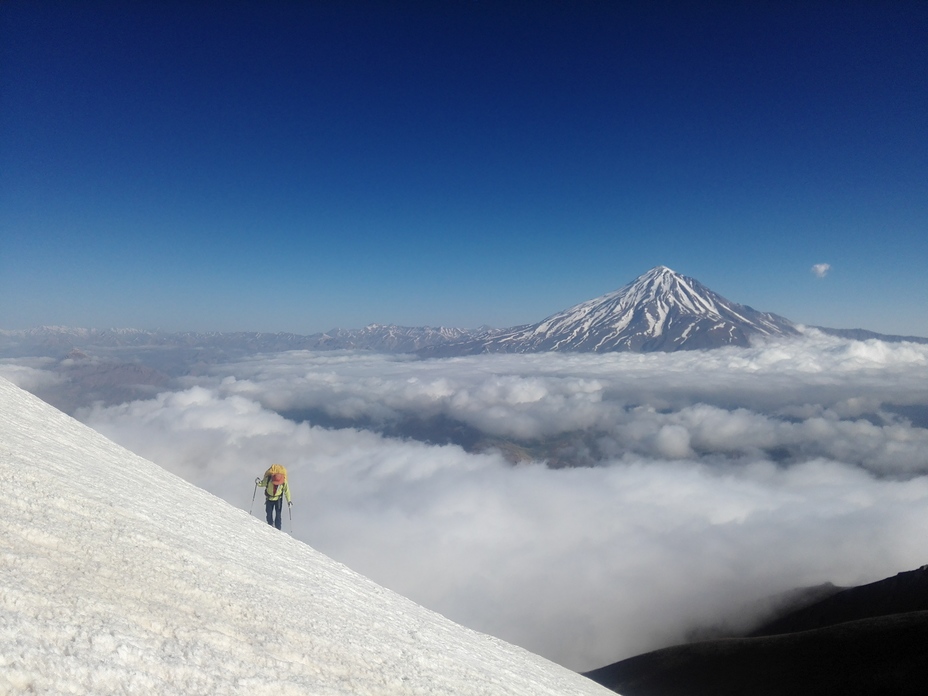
point(273, 506)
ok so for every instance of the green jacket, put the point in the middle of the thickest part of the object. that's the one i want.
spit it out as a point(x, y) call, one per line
point(272, 492)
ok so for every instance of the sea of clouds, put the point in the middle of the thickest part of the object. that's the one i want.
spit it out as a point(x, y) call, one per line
point(705, 481)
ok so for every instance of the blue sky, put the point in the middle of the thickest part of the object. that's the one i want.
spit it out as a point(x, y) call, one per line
point(289, 166)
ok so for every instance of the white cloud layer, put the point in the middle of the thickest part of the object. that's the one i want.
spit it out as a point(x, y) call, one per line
point(31, 374)
point(720, 477)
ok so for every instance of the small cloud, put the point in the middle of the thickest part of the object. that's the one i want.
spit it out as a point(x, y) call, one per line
point(821, 269)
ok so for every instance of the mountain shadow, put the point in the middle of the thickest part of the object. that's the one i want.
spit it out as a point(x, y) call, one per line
point(868, 640)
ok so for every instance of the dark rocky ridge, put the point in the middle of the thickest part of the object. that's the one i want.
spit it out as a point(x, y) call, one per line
point(867, 640)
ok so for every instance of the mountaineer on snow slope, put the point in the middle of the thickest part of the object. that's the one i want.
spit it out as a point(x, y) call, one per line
point(276, 488)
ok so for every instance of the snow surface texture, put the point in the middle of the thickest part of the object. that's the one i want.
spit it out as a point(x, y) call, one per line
point(119, 577)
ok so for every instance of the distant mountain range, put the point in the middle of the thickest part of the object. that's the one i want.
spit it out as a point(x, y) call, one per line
point(57, 341)
point(658, 311)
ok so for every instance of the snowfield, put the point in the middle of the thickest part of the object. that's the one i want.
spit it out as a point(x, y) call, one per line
point(119, 577)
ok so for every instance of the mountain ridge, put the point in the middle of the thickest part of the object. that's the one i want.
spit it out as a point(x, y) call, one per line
point(860, 640)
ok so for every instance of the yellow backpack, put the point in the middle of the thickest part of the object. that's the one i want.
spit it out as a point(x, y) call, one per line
point(277, 474)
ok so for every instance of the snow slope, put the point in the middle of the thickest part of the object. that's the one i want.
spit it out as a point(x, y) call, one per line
point(118, 577)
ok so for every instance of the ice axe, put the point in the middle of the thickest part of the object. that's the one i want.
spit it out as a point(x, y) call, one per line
point(253, 497)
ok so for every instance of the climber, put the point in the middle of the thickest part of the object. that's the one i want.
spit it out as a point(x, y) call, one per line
point(276, 488)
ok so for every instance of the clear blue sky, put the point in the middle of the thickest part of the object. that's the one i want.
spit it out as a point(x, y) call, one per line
point(295, 166)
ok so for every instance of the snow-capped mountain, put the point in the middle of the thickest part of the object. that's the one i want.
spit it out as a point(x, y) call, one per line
point(658, 311)
point(118, 577)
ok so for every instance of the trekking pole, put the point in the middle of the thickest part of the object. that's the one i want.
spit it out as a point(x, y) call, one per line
point(290, 510)
point(253, 498)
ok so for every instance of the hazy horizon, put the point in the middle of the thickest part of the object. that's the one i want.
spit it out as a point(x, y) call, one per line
point(820, 272)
